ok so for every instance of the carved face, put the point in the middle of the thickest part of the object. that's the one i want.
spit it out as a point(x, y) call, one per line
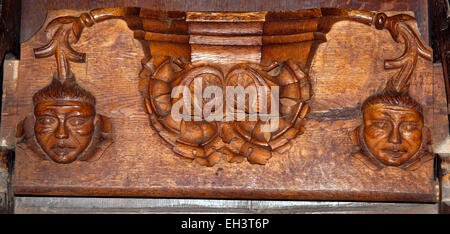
point(64, 128)
point(393, 134)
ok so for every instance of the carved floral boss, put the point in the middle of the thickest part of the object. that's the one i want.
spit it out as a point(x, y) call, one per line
point(269, 49)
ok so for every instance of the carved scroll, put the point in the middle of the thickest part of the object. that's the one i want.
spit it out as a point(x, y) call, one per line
point(248, 50)
point(393, 131)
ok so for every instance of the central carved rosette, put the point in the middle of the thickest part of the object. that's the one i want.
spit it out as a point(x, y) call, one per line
point(242, 111)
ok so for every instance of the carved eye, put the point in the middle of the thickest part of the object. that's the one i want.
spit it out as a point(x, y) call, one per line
point(46, 120)
point(77, 121)
point(380, 124)
point(409, 126)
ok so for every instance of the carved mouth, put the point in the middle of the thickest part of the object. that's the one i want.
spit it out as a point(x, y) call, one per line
point(396, 153)
point(62, 151)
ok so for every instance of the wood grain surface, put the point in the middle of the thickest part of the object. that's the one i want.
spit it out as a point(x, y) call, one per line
point(346, 70)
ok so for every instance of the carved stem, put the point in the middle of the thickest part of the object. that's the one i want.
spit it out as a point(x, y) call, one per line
point(67, 29)
point(365, 17)
point(398, 27)
point(414, 47)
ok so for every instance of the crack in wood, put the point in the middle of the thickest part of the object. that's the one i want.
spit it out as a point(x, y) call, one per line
point(335, 114)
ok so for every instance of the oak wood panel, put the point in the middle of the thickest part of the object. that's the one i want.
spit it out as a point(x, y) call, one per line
point(319, 165)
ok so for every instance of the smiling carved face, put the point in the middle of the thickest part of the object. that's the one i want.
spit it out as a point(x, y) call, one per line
point(64, 128)
point(393, 134)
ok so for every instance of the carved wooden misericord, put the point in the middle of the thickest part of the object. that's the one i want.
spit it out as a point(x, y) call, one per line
point(315, 152)
point(174, 43)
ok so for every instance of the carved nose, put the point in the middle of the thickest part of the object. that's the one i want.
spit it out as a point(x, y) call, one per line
point(61, 132)
point(394, 137)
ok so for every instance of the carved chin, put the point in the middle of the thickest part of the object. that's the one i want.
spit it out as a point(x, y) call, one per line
point(63, 154)
point(393, 158)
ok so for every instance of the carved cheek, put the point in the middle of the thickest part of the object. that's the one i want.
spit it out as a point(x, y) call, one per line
point(81, 130)
point(376, 134)
point(45, 128)
point(377, 131)
point(411, 134)
point(82, 126)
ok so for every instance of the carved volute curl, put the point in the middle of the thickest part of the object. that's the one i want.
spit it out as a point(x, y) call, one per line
point(393, 131)
point(257, 49)
point(64, 126)
point(414, 47)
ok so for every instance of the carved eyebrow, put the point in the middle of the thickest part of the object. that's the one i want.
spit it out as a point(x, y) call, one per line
point(78, 114)
point(397, 108)
point(384, 116)
point(404, 110)
point(410, 118)
point(380, 120)
point(49, 112)
point(60, 105)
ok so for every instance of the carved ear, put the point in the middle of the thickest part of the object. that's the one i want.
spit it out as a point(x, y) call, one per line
point(426, 138)
point(19, 129)
point(101, 139)
point(27, 140)
point(360, 151)
point(423, 154)
point(354, 136)
point(105, 123)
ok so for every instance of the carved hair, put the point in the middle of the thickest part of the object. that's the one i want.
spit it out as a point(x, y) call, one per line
point(68, 90)
point(392, 98)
